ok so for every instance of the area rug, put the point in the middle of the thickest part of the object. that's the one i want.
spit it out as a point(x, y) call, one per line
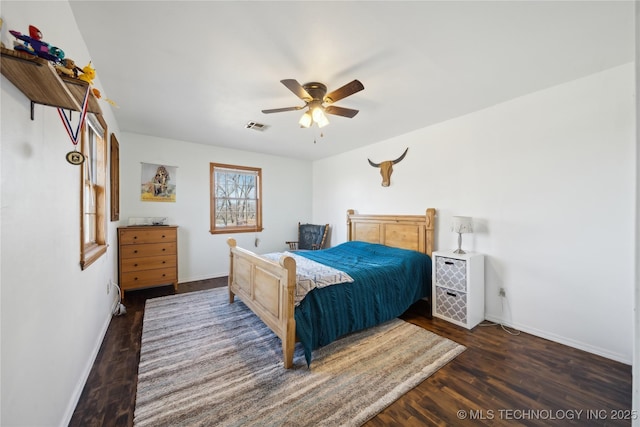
point(206, 362)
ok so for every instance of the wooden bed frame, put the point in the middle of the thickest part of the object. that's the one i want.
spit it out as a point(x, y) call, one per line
point(268, 288)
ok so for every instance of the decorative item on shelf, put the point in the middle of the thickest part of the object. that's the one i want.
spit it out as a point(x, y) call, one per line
point(461, 225)
point(98, 95)
point(88, 73)
point(386, 168)
point(34, 45)
point(67, 67)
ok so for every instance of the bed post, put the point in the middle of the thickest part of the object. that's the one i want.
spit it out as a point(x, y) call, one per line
point(289, 338)
point(430, 229)
point(232, 244)
point(349, 231)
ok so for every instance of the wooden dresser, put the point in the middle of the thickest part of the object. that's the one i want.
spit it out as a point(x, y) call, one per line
point(147, 256)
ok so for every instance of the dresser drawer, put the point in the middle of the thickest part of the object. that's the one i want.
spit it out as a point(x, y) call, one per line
point(159, 276)
point(151, 249)
point(147, 263)
point(451, 304)
point(451, 273)
point(150, 235)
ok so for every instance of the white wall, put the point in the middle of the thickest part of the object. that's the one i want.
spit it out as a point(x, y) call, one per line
point(286, 194)
point(549, 181)
point(53, 315)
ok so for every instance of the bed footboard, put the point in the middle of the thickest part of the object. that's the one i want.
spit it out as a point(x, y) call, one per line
point(268, 289)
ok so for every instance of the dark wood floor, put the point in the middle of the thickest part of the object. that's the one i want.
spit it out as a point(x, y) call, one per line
point(501, 379)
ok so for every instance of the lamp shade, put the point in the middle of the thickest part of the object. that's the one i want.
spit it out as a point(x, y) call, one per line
point(323, 121)
point(461, 224)
point(306, 120)
point(319, 117)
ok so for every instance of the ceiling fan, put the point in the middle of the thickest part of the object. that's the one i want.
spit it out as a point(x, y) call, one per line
point(315, 95)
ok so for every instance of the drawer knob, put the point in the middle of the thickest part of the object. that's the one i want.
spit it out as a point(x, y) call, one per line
point(135, 265)
point(135, 237)
point(163, 236)
point(135, 278)
point(164, 262)
point(164, 249)
point(451, 294)
point(163, 274)
point(448, 262)
point(135, 252)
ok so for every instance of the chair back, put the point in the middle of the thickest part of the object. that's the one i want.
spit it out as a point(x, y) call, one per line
point(312, 236)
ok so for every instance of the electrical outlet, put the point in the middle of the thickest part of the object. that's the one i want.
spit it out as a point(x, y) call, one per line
point(502, 293)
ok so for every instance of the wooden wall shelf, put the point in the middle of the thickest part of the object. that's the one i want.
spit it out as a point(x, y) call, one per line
point(40, 82)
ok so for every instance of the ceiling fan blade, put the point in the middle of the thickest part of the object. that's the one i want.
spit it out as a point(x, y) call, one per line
point(340, 111)
point(280, 110)
point(344, 91)
point(297, 89)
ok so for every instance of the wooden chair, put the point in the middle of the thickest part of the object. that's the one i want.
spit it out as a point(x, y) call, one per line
point(310, 237)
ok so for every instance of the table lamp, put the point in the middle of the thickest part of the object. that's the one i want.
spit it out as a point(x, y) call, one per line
point(460, 225)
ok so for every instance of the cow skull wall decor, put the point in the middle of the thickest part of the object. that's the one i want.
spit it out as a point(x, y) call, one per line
point(386, 168)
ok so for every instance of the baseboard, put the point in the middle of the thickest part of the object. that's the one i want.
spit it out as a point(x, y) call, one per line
point(75, 397)
point(199, 278)
point(562, 340)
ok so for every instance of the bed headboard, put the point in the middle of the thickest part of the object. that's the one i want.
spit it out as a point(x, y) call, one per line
point(415, 232)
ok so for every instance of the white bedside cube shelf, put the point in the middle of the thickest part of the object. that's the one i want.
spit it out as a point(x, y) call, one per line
point(458, 287)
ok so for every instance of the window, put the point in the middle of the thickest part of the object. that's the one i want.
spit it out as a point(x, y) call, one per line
point(236, 199)
point(92, 194)
point(114, 175)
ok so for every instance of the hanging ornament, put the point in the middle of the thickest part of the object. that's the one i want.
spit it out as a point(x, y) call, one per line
point(75, 157)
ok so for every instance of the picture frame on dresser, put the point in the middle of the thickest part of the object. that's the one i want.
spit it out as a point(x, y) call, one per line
point(458, 287)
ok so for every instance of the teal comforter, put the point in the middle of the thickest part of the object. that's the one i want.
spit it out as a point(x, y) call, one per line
point(386, 282)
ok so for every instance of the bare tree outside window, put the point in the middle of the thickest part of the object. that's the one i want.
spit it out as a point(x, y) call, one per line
point(236, 193)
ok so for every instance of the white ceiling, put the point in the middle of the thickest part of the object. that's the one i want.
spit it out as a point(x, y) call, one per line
point(200, 71)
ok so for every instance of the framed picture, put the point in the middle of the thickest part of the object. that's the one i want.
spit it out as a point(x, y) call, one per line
point(158, 183)
point(114, 173)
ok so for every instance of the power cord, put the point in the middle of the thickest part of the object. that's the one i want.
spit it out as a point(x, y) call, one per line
point(119, 309)
point(504, 328)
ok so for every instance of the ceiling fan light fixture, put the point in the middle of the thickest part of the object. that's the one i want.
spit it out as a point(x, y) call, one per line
point(314, 94)
point(306, 120)
point(319, 117)
point(317, 114)
point(323, 121)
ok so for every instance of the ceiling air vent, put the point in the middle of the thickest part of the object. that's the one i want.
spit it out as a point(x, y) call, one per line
point(256, 126)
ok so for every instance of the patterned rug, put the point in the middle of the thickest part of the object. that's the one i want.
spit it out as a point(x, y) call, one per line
point(206, 362)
